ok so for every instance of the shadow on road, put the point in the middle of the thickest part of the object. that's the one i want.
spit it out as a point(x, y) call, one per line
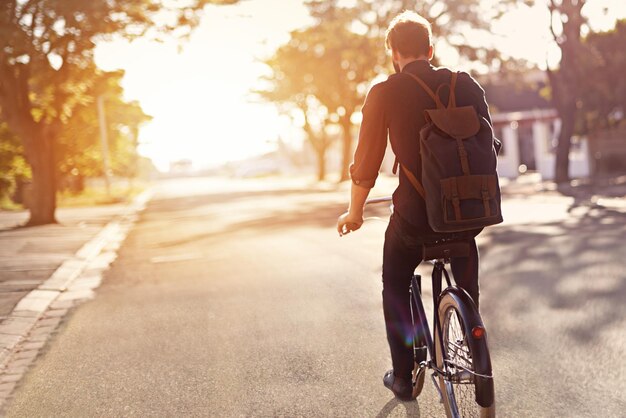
point(574, 267)
point(412, 409)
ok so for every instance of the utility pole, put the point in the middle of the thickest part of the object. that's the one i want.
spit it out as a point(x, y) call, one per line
point(105, 144)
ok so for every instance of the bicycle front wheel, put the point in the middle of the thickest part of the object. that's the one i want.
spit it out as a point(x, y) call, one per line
point(462, 354)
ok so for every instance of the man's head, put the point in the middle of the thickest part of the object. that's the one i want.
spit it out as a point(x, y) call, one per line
point(409, 38)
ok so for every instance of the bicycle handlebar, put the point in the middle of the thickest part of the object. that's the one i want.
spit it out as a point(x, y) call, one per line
point(349, 227)
point(376, 200)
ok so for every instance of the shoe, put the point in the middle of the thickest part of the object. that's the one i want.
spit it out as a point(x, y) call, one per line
point(402, 388)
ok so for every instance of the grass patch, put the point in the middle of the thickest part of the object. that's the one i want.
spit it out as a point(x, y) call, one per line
point(7, 204)
point(95, 196)
point(91, 196)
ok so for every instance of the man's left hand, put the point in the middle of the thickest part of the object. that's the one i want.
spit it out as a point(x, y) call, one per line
point(348, 222)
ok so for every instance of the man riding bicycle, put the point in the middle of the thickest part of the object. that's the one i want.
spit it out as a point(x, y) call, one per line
point(395, 108)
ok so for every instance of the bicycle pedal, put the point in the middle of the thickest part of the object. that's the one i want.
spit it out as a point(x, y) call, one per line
point(462, 376)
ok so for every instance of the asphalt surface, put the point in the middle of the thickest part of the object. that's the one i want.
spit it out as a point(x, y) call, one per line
point(241, 300)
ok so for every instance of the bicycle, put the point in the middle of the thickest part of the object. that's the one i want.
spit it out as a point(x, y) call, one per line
point(457, 351)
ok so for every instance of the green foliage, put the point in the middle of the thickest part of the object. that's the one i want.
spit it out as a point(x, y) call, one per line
point(13, 166)
point(91, 196)
point(79, 148)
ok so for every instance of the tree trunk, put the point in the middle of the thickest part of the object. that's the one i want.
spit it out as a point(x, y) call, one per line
point(568, 120)
point(319, 144)
point(42, 199)
point(346, 127)
point(37, 139)
point(565, 83)
point(321, 164)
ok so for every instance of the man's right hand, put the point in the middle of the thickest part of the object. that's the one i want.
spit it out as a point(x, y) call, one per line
point(348, 222)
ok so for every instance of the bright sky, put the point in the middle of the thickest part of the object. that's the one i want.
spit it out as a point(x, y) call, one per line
point(200, 98)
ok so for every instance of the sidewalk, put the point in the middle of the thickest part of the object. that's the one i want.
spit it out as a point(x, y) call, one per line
point(29, 256)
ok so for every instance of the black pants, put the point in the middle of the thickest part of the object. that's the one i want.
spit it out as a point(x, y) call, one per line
point(401, 255)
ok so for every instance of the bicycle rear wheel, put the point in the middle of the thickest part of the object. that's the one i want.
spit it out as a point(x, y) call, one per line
point(467, 386)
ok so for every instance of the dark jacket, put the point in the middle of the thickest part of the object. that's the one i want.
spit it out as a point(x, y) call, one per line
point(396, 107)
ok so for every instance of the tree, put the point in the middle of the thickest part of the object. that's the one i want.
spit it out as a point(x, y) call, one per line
point(291, 90)
point(46, 54)
point(323, 72)
point(603, 89)
point(566, 24)
point(79, 149)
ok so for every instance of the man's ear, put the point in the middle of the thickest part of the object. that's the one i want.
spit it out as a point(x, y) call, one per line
point(395, 56)
point(431, 52)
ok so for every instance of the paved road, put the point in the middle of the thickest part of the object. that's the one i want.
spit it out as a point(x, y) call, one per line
point(234, 300)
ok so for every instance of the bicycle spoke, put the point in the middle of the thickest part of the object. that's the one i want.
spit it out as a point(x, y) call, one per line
point(459, 364)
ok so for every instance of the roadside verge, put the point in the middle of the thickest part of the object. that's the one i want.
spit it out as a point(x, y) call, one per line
point(35, 317)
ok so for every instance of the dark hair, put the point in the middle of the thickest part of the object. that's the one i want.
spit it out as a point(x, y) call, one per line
point(409, 34)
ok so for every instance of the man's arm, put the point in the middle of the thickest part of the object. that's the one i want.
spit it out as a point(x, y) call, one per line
point(482, 107)
point(478, 97)
point(353, 218)
point(483, 110)
point(367, 159)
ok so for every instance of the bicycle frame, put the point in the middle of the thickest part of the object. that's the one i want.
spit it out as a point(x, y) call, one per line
point(421, 325)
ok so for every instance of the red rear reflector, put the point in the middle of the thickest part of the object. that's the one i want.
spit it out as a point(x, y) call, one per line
point(478, 332)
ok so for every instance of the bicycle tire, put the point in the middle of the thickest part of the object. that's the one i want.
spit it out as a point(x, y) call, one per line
point(465, 393)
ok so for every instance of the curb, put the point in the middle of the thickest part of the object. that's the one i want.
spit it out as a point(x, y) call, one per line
point(26, 329)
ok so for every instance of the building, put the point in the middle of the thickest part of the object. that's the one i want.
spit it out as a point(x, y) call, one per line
point(529, 126)
point(529, 141)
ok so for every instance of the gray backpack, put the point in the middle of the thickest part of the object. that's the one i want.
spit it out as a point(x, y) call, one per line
point(459, 179)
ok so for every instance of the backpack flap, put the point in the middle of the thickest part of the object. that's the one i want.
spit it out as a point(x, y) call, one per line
point(468, 199)
point(457, 122)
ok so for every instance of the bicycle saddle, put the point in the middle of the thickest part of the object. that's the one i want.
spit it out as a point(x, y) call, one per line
point(445, 250)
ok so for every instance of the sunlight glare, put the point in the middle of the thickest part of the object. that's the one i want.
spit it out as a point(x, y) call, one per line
point(200, 98)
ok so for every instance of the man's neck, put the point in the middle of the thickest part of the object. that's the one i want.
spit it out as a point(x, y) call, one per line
point(404, 61)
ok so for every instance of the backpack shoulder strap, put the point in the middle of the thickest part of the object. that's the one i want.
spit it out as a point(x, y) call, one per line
point(427, 89)
point(452, 94)
point(435, 96)
point(452, 99)
point(414, 181)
